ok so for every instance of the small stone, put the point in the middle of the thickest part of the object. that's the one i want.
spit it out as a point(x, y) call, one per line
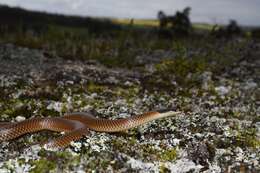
point(214, 119)
point(57, 106)
point(257, 125)
point(250, 85)
point(127, 83)
point(222, 90)
point(20, 118)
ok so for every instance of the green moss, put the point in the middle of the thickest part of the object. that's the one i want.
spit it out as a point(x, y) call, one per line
point(163, 169)
point(43, 166)
point(169, 155)
point(94, 88)
point(181, 66)
point(46, 112)
point(63, 155)
point(129, 94)
point(248, 138)
point(149, 150)
point(43, 152)
point(15, 107)
point(61, 160)
point(253, 142)
point(21, 161)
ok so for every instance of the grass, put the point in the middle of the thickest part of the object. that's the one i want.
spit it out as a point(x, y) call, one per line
point(137, 22)
point(118, 44)
point(118, 48)
point(203, 26)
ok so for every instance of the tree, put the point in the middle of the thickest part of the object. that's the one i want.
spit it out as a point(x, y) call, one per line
point(162, 18)
point(181, 22)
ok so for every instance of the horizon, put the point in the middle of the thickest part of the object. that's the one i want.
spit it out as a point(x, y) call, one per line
point(245, 13)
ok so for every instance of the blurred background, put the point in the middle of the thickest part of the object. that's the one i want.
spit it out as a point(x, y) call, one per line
point(209, 11)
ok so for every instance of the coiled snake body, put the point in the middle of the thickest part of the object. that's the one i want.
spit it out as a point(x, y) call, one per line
point(75, 125)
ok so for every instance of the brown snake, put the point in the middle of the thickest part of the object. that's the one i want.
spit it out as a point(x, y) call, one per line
point(75, 125)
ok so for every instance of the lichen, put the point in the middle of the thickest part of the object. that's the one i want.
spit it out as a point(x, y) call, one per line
point(216, 92)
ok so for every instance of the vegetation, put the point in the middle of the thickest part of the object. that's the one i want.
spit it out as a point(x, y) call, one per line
point(231, 30)
point(180, 22)
point(52, 64)
point(108, 42)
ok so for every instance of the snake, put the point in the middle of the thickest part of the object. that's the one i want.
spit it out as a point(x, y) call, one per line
point(75, 126)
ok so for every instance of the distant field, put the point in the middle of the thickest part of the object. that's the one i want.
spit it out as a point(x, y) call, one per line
point(155, 23)
point(140, 22)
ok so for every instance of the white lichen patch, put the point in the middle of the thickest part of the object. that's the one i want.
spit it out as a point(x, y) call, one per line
point(97, 142)
point(223, 90)
point(7, 81)
point(22, 163)
point(179, 166)
point(57, 106)
point(143, 166)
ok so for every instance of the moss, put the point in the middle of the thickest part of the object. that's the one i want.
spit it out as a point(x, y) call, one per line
point(66, 159)
point(148, 151)
point(129, 94)
point(63, 155)
point(94, 88)
point(145, 151)
point(254, 142)
point(43, 152)
point(181, 66)
point(46, 112)
point(21, 161)
point(248, 138)
point(169, 155)
point(22, 110)
point(61, 160)
point(14, 107)
point(244, 138)
point(43, 166)
point(163, 169)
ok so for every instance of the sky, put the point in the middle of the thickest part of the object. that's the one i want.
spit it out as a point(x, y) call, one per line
point(209, 11)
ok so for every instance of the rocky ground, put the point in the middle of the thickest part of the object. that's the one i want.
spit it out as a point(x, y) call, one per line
point(218, 131)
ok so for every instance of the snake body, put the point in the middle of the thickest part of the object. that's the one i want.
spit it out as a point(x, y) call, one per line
point(75, 125)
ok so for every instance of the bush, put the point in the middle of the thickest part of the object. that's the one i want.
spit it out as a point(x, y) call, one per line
point(229, 31)
point(180, 22)
point(255, 33)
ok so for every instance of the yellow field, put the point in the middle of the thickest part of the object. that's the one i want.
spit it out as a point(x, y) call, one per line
point(155, 23)
point(139, 22)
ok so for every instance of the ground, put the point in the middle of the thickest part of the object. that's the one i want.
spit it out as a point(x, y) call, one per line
point(218, 130)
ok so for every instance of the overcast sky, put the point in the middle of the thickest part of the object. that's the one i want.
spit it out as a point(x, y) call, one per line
point(214, 11)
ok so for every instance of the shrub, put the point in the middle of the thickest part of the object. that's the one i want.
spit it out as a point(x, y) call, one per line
point(180, 22)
